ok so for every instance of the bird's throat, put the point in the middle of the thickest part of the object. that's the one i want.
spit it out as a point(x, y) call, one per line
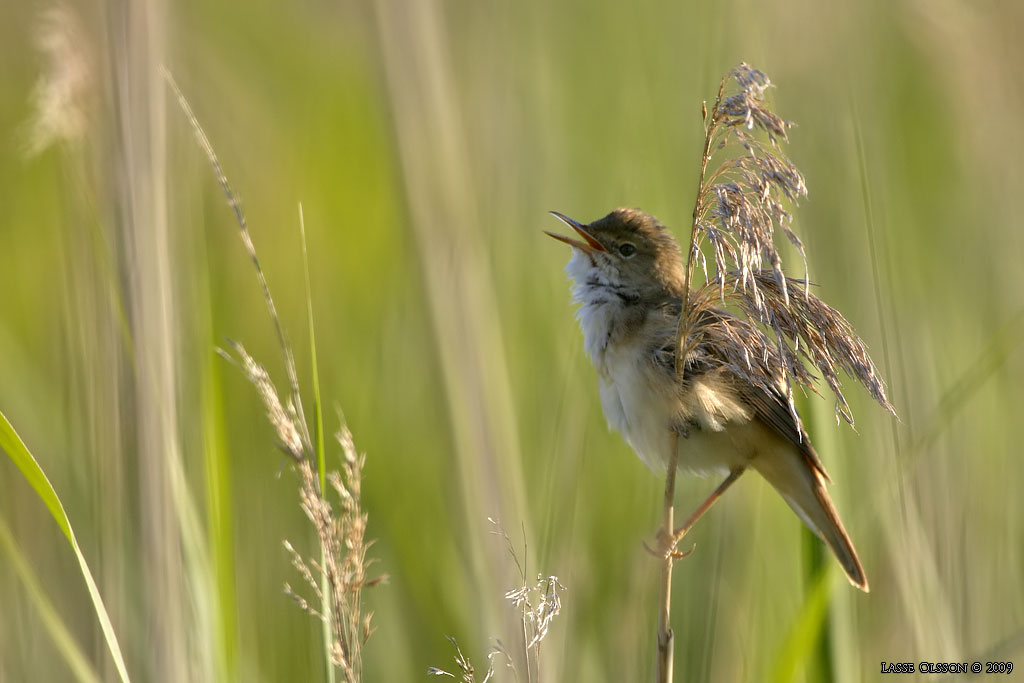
point(608, 312)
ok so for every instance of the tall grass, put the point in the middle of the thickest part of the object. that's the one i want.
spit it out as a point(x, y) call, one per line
point(426, 142)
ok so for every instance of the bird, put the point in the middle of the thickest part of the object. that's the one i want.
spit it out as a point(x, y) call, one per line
point(628, 278)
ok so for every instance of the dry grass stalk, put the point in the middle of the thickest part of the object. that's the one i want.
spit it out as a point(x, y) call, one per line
point(538, 604)
point(341, 532)
point(467, 674)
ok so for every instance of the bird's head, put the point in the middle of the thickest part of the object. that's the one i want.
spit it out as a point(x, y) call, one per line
point(627, 249)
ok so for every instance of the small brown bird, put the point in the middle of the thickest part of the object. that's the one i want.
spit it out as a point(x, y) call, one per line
point(628, 277)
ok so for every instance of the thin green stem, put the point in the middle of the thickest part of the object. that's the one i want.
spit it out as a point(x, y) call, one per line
point(321, 458)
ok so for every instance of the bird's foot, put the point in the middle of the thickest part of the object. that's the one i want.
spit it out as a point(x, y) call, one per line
point(666, 546)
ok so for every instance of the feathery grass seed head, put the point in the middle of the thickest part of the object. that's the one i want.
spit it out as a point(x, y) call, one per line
point(773, 339)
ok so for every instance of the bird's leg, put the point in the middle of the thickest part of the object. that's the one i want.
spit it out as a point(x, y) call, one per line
point(679, 533)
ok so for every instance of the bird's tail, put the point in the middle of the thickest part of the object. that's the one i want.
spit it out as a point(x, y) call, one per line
point(803, 487)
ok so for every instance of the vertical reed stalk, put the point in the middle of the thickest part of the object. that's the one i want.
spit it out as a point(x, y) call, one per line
point(666, 639)
point(663, 670)
point(739, 208)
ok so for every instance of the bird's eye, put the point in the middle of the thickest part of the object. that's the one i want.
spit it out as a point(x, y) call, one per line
point(627, 250)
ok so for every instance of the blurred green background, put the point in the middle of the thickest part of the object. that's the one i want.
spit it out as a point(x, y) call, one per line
point(426, 141)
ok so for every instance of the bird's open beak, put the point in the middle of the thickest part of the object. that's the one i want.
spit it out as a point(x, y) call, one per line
point(589, 245)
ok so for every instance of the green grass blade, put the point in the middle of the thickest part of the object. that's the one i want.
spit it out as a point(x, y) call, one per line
point(73, 655)
point(321, 456)
point(321, 460)
point(821, 660)
point(806, 631)
point(220, 523)
point(16, 450)
point(971, 381)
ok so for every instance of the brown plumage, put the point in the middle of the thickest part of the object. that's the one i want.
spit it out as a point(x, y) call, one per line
point(748, 337)
point(730, 406)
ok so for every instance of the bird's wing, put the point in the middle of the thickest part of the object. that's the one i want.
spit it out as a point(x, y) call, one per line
point(772, 409)
point(770, 406)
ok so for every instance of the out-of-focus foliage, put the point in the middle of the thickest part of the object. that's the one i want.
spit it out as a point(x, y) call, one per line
point(426, 141)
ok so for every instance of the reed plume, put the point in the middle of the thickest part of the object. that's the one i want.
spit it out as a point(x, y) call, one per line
point(749, 318)
point(779, 332)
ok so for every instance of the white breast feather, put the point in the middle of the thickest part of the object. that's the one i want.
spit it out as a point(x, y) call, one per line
point(632, 404)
